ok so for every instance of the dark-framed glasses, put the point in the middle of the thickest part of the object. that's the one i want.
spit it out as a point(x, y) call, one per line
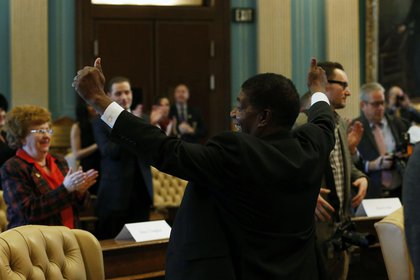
point(42, 131)
point(376, 104)
point(341, 83)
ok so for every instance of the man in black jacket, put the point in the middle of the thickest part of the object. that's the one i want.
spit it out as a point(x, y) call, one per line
point(380, 148)
point(248, 210)
point(189, 124)
point(125, 190)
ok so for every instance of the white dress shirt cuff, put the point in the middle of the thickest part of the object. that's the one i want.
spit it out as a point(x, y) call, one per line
point(319, 96)
point(111, 114)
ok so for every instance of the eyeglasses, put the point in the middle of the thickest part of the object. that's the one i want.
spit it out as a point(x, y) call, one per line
point(376, 104)
point(42, 131)
point(343, 84)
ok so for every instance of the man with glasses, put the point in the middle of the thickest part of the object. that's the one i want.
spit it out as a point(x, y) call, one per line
point(337, 197)
point(381, 144)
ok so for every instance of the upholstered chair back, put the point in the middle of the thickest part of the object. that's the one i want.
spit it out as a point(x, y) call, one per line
point(167, 190)
point(50, 252)
point(3, 217)
point(394, 247)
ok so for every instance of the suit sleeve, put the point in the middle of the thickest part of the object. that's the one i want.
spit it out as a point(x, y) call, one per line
point(189, 161)
point(201, 128)
point(102, 134)
point(411, 199)
point(321, 115)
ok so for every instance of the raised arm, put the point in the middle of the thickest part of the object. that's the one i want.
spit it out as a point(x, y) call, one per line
point(89, 83)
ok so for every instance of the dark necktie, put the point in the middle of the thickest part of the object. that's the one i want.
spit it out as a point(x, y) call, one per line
point(182, 114)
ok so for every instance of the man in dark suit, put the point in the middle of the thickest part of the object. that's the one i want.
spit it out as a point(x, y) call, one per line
point(188, 123)
point(125, 189)
point(248, 210)
point(411, 202)
point(380, 144)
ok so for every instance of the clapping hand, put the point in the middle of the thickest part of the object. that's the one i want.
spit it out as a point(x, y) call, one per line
point(90, 179)
point(186, 128)
point(354, 136)
point(156, 114)
point(79, 180)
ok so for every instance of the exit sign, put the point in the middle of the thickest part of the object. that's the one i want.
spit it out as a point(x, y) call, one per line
point(243, 15)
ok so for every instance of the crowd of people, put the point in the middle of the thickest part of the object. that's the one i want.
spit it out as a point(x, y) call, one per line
point(234, 221)
point(40, 188)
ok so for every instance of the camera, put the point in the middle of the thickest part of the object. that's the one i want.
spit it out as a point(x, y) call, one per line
point(402, 146)
point(401, 154)
point(346, 236)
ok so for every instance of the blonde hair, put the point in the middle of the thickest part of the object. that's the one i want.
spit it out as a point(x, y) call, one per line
point(20, 118)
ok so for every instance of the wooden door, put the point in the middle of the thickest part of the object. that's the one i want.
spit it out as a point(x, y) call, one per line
point(127, 49)
point(183, 56)
point(159, 47)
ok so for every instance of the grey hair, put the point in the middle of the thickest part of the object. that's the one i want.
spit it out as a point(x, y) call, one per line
point(367, 88)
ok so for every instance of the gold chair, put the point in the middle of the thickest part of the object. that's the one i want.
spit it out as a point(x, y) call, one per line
point(60, 144)
point(394, 247)
point(3, 217)
point(168, 191)
point(50, 252)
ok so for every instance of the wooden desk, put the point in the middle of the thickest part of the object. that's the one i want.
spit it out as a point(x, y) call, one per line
point(134, 260)
point(366, 224)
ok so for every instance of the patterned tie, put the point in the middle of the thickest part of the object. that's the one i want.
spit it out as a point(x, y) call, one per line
point(386, 176)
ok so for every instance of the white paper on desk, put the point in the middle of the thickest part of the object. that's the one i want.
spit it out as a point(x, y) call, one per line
point(145, 231)
point(378, 207)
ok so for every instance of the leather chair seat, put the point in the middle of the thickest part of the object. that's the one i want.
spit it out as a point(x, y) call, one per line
point(50, 252)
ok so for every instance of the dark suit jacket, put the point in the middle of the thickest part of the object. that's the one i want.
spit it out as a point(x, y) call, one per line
point(248, 211)
point(411, 202)
point(119, 175)
point(194, 119)
point(369, 151)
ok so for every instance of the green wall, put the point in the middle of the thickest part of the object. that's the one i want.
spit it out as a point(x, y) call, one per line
point(61, 60)
point(243, 48)
point(61, 48)
point(5, 49)
point(308, 39)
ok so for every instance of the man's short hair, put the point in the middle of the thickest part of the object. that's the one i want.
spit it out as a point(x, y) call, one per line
point(116, 80)
point(367, 88)
point(3, 103)
point(274, 92)
point(329, 68)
